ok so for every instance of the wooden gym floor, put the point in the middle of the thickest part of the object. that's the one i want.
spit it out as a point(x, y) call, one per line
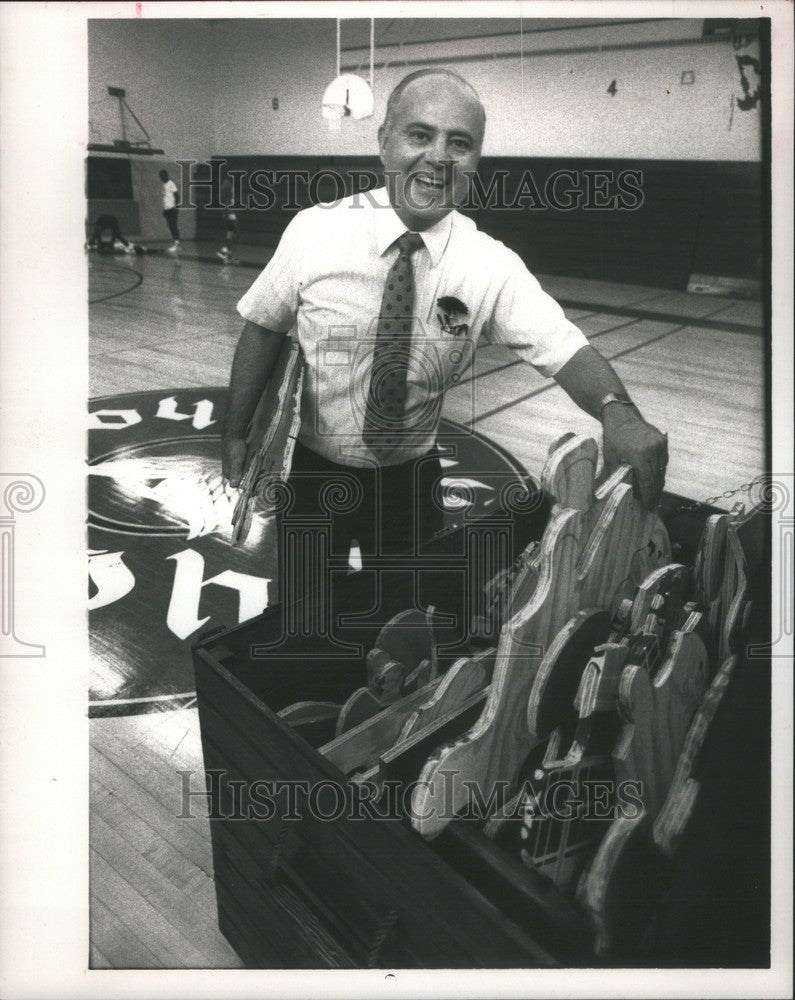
point(695, 365)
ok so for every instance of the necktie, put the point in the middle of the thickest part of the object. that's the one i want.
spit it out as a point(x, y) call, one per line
point(386, 396)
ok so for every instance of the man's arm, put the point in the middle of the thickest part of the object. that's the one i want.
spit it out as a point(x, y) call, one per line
point(255, 357)
point(587, 378)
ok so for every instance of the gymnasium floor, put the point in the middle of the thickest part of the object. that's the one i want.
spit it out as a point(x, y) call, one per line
point(693, 363)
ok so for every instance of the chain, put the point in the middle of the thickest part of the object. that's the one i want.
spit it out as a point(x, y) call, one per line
point(727, 495)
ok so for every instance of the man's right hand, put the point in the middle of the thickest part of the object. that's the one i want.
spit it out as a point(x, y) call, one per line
point(233, 458)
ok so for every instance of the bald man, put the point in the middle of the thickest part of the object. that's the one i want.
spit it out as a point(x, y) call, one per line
point(389, 295)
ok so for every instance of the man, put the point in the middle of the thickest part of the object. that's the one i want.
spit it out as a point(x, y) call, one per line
point(374, 384)
point(170, 210)
point(109, 224)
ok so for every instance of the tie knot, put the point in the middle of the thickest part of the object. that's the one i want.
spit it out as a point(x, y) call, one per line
point(408, 243)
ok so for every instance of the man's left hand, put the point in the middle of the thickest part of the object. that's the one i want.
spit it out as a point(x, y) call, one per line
point(630, 440)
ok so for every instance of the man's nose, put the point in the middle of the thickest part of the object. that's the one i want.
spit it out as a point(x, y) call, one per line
point(436, 154)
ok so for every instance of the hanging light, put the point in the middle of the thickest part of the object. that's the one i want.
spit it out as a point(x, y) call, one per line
point(349, 95)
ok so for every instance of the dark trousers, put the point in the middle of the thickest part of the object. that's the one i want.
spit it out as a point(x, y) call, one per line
point(170, 215)
point(387, 510)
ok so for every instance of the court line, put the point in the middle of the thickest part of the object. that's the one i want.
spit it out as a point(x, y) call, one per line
point(593, 307)
point(137, 701)
point(663, 317)
point(518, 361)
point(124, 291)
point(553, 385)
point(159, 347)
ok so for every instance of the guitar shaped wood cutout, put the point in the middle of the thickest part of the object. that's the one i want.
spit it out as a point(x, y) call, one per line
point(587, 757)
point(402, 660)
point(466, 676)
point(596, 695)
point(657, 712)
point(730, 551)
point(361, 705)
point(745, 548)
point(505, 595)
point(408, 638)
point(558, 845)
point(598, 690)
point(657, 709)
point(390, 679)
point(314, 720)
point(597, 547)
point(360, 746)
point(680, 802)
point(672, 582)
point(552, 834)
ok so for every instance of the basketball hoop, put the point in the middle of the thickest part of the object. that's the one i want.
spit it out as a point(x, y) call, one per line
point(349, 95)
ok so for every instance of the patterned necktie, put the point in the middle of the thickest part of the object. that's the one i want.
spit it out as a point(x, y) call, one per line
point(386, 396)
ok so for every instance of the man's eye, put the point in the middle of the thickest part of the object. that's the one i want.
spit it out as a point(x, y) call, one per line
point(418, 135)
point(460, 144)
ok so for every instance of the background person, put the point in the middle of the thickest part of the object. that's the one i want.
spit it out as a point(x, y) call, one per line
point(170, 192)
point(230, 221)
point(108, 225)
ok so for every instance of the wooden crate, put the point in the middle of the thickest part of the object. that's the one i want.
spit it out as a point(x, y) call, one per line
point(360, 892)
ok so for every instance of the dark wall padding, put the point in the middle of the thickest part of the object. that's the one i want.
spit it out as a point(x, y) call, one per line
point(696, 216)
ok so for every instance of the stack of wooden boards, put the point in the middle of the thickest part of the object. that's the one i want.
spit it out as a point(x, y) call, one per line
point(580, 730)
point(270, 440)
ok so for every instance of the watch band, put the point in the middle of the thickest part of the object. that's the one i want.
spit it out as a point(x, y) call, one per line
point(614, 397)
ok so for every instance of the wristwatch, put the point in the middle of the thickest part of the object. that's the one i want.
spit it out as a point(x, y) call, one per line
point(614, 397)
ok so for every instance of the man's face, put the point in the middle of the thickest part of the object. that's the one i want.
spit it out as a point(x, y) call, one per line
point(428, 147)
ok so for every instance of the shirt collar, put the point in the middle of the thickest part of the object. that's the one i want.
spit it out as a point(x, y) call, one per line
point(388, 228)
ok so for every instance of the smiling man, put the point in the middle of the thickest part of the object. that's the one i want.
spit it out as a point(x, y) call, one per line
point(389, 294)
point(430, 143)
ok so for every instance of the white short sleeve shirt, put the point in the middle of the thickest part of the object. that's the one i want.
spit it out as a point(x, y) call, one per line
point(325, 283)
point(169, 195)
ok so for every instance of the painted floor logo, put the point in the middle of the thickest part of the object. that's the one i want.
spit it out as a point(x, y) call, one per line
point(160, 567)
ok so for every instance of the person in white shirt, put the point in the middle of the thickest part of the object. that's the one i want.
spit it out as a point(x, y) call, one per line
point(334, 284)
point(170, 192)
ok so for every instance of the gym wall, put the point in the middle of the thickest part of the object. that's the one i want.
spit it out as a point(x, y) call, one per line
point(162, 64)
point(141, 216)
point(653, 96)
point(543, 106)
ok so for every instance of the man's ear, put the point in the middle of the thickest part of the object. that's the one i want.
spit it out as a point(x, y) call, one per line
point(382, 137)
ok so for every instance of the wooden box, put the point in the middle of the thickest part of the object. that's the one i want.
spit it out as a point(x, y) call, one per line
point(351, 891)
